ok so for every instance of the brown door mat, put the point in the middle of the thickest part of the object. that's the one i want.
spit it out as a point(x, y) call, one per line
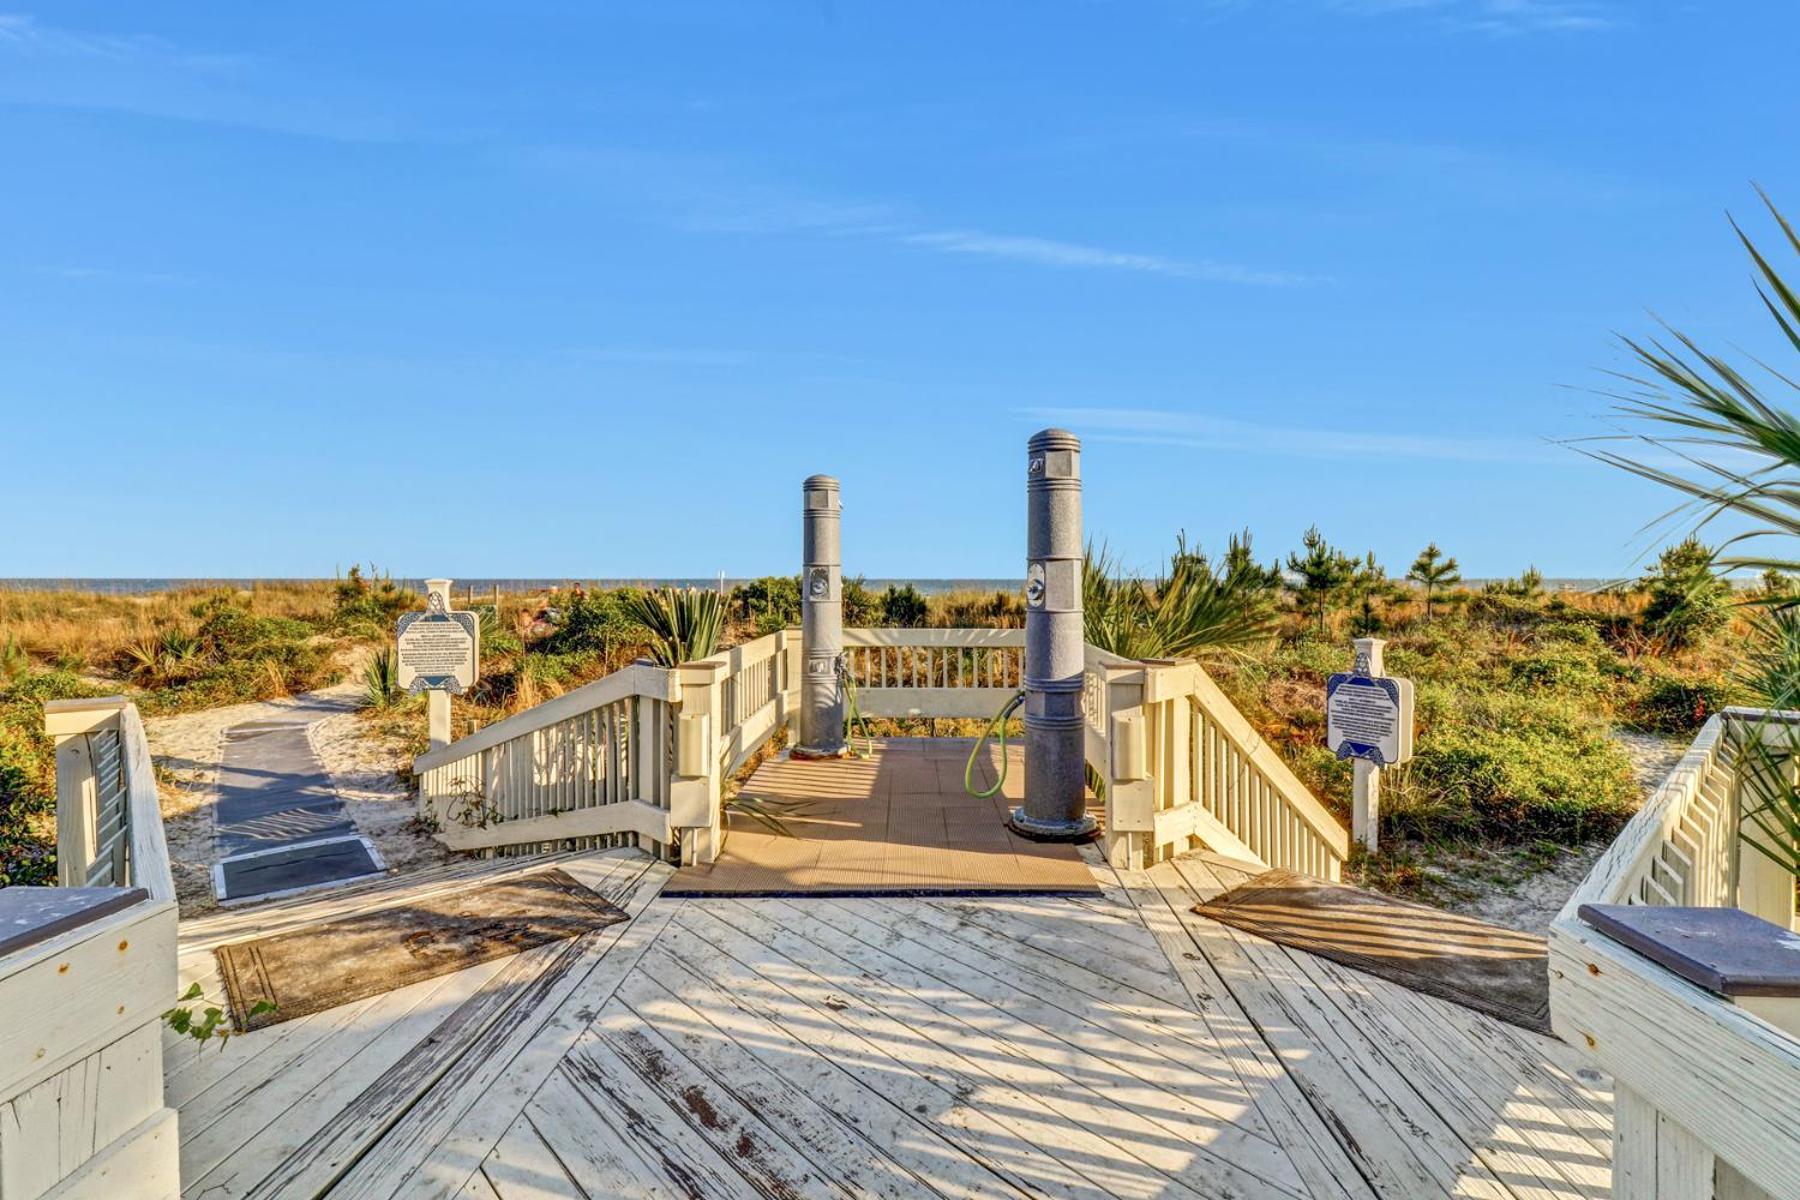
point(1500, 972)
point(351, 958)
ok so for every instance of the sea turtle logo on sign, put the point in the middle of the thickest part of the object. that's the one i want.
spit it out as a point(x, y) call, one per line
point(1369, 717)
point(438, 648)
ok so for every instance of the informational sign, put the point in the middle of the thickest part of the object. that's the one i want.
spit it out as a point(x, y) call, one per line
point(439, 649)
point(1369, 717)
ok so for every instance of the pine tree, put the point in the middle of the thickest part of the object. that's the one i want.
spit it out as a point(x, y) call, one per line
point(1324, 572)
point(1432, 570)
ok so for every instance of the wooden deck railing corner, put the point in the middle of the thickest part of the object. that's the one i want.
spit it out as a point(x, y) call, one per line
point(84, 981)
point(109, 829)
point(1705, 1090)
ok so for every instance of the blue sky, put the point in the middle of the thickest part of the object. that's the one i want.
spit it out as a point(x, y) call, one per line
point(577, 289)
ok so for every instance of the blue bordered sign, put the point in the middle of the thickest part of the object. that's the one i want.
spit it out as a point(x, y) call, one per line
point(438, 649)
point(1369, 717)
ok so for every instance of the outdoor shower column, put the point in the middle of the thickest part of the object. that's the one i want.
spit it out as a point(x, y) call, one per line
point(1054, 807)
point(821, 623)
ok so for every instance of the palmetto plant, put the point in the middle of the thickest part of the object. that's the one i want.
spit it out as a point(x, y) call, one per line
point(1189, 609)
point(1736, 443)
point(157, 657)
point(683, 623)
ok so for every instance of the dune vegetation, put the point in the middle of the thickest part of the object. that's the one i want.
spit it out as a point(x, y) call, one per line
point(1518, 689)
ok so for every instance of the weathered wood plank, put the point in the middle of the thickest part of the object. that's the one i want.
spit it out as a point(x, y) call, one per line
point(444, 1142)
point(930, 1092)
point(678, 1158)
point(1124, 1053)
point(668, 1025)
point(522, 1167)
point(1316, 1154)
point(324, 1157)
point(1063, 1118)
point(1401, 1146)
point(235, 1149)
point(830, 1080)
point(595, 1153)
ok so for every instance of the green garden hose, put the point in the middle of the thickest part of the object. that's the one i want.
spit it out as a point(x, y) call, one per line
point(999, 722)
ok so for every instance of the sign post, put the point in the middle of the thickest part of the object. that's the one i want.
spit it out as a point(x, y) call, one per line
point(438, 652)
point(1369, 718)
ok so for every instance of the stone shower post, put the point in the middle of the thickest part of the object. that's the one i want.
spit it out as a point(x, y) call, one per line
point(1055, 808)
point(821, 622)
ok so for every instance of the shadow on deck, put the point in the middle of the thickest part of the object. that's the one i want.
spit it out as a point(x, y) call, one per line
point(1100, 1045)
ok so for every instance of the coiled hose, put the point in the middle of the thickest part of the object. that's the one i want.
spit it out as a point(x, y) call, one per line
point(999, 722)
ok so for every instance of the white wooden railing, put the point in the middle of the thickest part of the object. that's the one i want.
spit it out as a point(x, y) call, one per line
point(589, 767)
point(109, 830)
point(953, 673)
point(84, 979)
point(1706, 1091)
point(644, 753)
point(1185, 769)
point(639, 757)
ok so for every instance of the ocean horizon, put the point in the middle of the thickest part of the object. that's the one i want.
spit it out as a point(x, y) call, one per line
point(127, 586)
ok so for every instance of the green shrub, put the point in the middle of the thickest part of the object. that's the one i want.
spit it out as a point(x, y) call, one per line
point(1557, 671)
point(1680, 704)
point(771, 603)
point(1688, 602)
point(28, 775)
point(1511, 767)
point(369, 605)
point(903, 607)
point(381, 680)
point(862, 607)
point(590, 623)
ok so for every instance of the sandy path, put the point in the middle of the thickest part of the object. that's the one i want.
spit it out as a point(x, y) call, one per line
point(1531, 903)
point(366, 774)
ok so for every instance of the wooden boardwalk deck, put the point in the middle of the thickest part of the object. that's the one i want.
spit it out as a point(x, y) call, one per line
point(1096, 1046)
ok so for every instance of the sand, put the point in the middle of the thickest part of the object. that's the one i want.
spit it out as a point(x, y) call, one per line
point(369, 776)
point(1536, 888)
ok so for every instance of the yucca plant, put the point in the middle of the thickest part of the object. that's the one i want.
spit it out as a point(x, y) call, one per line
point(1739, 446)
point(381, 680)
point(683, 623)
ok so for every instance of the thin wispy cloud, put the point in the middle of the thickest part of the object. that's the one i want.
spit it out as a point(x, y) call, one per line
point(24, 34)
point(146, 75)
point(709, 196)
point(85, 273)
point(1167, 427)
point(1496, 17)
point(1049, 252)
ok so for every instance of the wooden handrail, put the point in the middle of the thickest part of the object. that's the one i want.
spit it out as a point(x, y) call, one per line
point(1616, 878)
point(638, 679)
point(109, 829)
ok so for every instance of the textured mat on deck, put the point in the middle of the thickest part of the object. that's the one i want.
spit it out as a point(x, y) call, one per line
point(1500, 972)
point(351, 958)
point(897, 822)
